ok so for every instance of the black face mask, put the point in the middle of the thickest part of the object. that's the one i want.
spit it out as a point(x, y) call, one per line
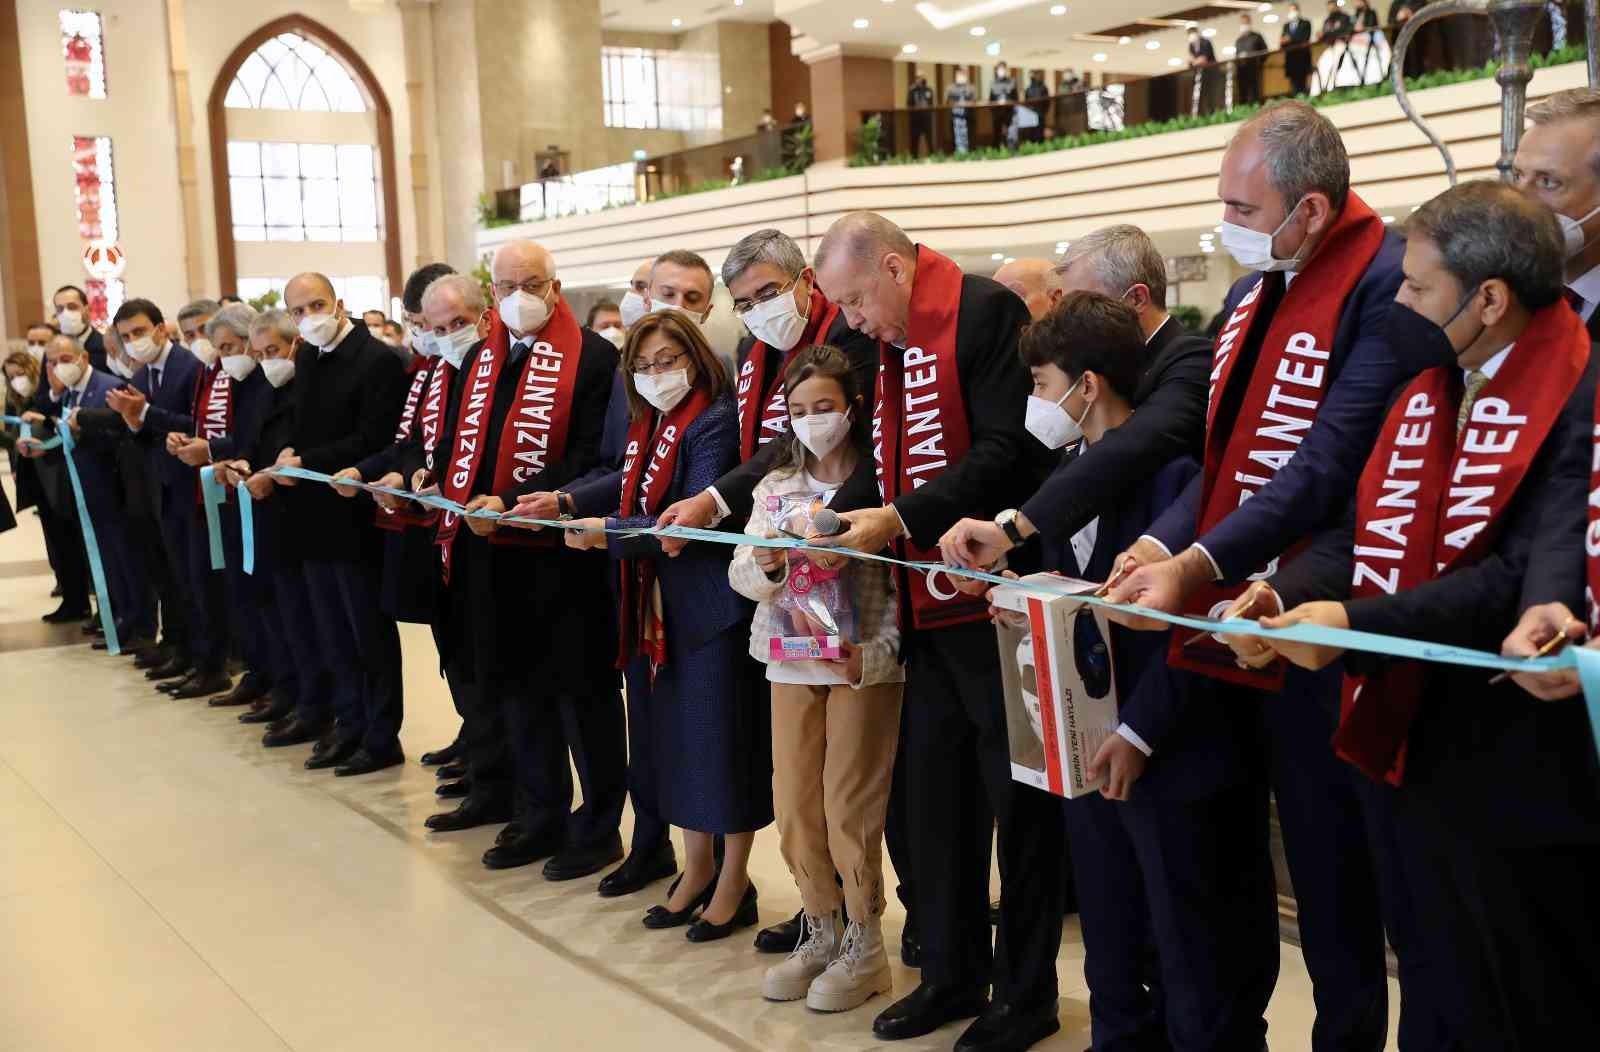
point(1418, 343)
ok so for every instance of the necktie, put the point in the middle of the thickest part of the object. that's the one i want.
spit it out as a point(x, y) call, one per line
point(155, 378)
point(1475, 382)
point(71, 399)
point(519, 350)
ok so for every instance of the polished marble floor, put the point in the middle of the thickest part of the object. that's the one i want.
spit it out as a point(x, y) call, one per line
point(166, 884)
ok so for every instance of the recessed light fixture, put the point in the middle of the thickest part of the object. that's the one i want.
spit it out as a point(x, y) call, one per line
point(1207, 236)
point(1269, 19)
point(1124, 40)
point(1099, 56)
point(676, 22)
point(1388, 219)
point(1059, 10)
point(977, 31)
point(1263, 7)
point(992, 48)
point(860, 23)
point(1174, 62)
point(1208, 32)
point(1062, 246)
point(998, 256)
point(908, 49)
point(1207, 249)
point(1152, 45)
point(738, 3)
point(1011, 259)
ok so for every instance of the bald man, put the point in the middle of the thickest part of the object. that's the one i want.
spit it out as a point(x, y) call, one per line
point(634, 305)
point(529, 619)
point(1035, 280)
point(953, 444)
point(348, 391)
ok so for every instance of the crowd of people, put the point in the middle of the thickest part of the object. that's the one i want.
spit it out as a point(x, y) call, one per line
point(1394, 431)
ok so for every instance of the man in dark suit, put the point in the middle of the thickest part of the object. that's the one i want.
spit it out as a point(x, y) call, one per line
point(1295, 42)
point(557, 689)
point(1500, 794)
point(1285, 446)
point(348, 391)
point(951, 419)
point(1553, 165)
point(159, 401)
point(72, 318)
point(1248, 47)
point(47, 488)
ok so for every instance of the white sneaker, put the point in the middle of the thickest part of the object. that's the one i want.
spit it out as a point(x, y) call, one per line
point(860, 970)
point(791, 978)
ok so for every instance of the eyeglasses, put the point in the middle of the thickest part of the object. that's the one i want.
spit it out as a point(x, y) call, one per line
point(751, 304)
point(660, 365)
point(533, 287)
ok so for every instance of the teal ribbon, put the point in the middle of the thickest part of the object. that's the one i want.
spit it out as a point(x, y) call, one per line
point(247, 528)
point(91, 547)
point(212, 496)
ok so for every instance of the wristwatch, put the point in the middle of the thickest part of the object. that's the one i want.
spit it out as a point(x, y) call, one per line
point(1007, 521)
point(564, 507)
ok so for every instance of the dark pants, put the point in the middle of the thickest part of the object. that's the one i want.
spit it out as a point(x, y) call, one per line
point(1516, 928)
point(896, 835)
point(132, 602)
point(1193, 881)
point(1299, 78)
point(184, 530)
point(63, 546)
point(296, 624)
point(243, 605)
point(542, 730)
point(650, 830)
point(146, 534)
point(362, 651)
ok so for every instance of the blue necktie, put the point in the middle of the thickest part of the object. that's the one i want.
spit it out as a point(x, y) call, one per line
point(155, 379)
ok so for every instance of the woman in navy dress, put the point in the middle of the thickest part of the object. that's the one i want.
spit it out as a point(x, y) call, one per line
point(708, 737)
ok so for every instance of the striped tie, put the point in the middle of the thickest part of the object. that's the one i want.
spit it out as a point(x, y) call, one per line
point(1475, 382)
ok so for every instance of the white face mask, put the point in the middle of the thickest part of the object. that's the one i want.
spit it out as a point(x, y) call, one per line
point(422, 342)
point(698, 319)
point(776, 322)
point(1572, 231)
point(615, 335)
point(23, 386)
point(631, 308)
point(71, 322)
point(453, 347)
point(202, 349)
point(1051, 424)
point(69, 373)
point(664, 391)
point(238, 366)
point(120, 367)
point(524, 313)
point(36, 350)
point(143, 350)
point(821, 433)
point(1252, 249)
point(278, 371)
point(319, 329)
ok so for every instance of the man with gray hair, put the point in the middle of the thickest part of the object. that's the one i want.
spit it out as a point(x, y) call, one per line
point(1035, 280)
point(192, 319)
point(1303, 372)
point(1558, 163)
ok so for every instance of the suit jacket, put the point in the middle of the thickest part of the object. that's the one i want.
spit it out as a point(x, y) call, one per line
point(1170, 423)
point(278, 548)
point(169, 409)
point(594, 493)
point(95, 344)
point(736, 486)
point(347, 405)
point(1491, 762)
point(139, 495)
point(95, 454)
point(253, 400)
point(1311, 491)
point(1198, 738)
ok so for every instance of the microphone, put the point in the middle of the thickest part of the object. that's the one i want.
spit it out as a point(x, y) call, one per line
point(828, 524)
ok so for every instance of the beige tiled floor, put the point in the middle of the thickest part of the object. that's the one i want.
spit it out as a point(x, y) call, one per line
point(167, 884)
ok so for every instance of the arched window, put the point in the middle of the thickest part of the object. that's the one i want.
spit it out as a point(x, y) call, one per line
point(324, 175)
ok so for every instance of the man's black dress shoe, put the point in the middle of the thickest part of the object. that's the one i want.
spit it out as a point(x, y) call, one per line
point(456, 790)
point(63, 614)
point(782, 937)
point(450, 772)
point(137, 645)
point(471, 814)
point(657, 918)
point(154, 657)
point(334, 754)
point(172, 686)
point(926, 1009)
point(573, 862)
point(523, 850)
point(278, 726)
point(748, 915)
point(910, 945)
point(442, 756)
point(100, 644)
point(243, 693)
point(364, 762)
point(271, 712)
point(199, 685)
point(512, 831)
point(178, 666)
point(1007, 1028)
point(93, 627)
point(636, 873)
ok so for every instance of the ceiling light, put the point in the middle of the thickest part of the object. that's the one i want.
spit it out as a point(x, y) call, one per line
point(676, 22)
point(1011, 259)
point(1388, 219)
point(1152, 45)
point(1124, 40)
point(1059, 10)
point(1099, 56)
point(992, 48)
point(1174, 62)
point(908, 49)
point(1208, 32)
point(860, 23)
point(1207, 236)
point(1269, 19)
point(1216, 230)
point(998, 256)
point(977, 31)
point(738, 3)
point(1263, 7)
point(1207, 249)
point(1062, 246)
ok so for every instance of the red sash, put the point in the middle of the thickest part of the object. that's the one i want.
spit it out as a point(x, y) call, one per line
point(757, 429)
point(919, 427)
point(213, 414)
point(1429, 502)
point(1591, 538)
point(424, 404)
point(644, 488)
point(1285, 389)
point(536, 424)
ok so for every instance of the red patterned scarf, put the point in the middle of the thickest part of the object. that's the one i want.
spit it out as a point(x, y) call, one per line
point(213, 414)
point(424, 404)
point(1591, 537)
point(1430, 502)
point(756, 429)
point(1284, 390)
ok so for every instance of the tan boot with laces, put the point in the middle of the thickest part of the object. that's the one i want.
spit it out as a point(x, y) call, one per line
point(789, 979)
point(859, 971)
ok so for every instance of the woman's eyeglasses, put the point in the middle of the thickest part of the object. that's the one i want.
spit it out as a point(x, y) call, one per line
point(660, 365)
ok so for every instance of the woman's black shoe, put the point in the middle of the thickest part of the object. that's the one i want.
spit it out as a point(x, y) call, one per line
point(659, 917)
point(746, 916)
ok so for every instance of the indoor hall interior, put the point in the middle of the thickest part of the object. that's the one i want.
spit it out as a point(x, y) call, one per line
point(168, 885)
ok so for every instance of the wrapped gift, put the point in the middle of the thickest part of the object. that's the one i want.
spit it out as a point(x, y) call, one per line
point(816, 604)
